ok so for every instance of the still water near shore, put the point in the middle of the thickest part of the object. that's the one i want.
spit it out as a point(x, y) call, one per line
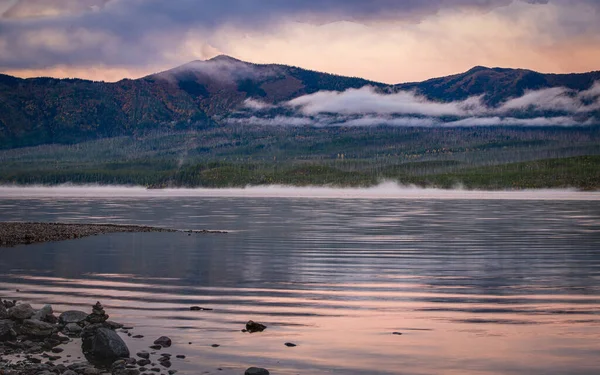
point(475, 286)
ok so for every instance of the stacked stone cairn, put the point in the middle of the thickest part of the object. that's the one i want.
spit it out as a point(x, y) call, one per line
point(99, 341)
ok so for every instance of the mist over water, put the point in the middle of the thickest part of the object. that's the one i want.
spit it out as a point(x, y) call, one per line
point(475, 285)
point(386, 190)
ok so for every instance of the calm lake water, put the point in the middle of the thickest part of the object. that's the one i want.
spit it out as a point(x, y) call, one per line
point(475, 286)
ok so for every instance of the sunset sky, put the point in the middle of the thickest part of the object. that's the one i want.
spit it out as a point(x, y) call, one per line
point(385, 40)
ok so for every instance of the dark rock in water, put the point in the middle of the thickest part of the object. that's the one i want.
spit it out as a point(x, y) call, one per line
point(144, 355)
point(9, 304)
point(256, 371)
point(21, 312)
point(143, 362)
point(103, 344)
point(255, 327)
point(163, 341)
point(397, 333)
point(290, 345)
point(36, 328)
point(138, 336)
point(215, 345)
point(7, 331)
point(126, 371)
point(156, 347)
point(72, 329)
point(180, 356)
point(98, 315)
point(198, 308)
point(113, 325)
point(72, 316)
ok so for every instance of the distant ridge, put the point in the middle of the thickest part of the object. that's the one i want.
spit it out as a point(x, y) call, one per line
point(198, 94)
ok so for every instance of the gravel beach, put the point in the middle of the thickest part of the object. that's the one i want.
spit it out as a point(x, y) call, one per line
point(15, 233)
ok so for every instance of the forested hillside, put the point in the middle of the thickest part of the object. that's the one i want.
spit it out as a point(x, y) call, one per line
point(204, 94)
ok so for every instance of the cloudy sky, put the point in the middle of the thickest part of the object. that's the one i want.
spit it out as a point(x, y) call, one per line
point(386, 40)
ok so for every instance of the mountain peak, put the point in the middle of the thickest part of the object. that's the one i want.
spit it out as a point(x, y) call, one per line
point(224, 58)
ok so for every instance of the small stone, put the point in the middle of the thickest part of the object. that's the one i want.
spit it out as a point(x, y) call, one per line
point(397, 333)
point(143, 362)
point(215, 345)
point(256, 371)
point(156, 347)
point(138, 336)
point(290, 345)
point(163, 341)
point(144, 355)
point(252, 327)
point(57, 350)
point(198, 308)
point(180, 356)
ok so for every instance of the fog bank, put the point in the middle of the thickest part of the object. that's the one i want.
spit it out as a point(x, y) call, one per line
point(388, 190)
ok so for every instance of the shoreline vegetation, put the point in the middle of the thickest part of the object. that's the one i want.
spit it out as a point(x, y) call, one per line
point(494, 158)
point(25, 233)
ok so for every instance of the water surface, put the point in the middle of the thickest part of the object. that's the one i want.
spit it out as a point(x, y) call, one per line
point(502, 286)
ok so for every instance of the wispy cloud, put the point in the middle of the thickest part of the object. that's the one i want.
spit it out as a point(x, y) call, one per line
point(368, 107)
point(367, 100)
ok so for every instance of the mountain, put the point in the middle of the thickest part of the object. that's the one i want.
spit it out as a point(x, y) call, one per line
point(497, 84)
point(199, 94)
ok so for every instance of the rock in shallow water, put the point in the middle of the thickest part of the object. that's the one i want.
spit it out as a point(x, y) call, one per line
point(104, 344)
point(163, 341)
point(252, 327)
point(256, 371)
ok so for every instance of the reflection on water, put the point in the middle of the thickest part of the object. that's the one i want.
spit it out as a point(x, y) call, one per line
point(478, 287)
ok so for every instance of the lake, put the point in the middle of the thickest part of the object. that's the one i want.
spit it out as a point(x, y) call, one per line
point(509, 285)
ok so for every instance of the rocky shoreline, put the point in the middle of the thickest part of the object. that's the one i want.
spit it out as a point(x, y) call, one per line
point(32, 343)
point(22, 233)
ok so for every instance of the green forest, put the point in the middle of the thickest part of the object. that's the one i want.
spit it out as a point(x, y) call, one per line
point(238, 156)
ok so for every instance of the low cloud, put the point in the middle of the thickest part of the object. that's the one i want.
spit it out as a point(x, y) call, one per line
point(367, 100)
point(368, 107)
point(256, 105)
point(223, 68)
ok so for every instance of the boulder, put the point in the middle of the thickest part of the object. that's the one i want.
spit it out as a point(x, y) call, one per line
point(45, 314)
point(7, 331)
point(255, 327)
point(3, 311)
point(72, 316)
point(21, 312)
point(104, 344)
point(36, 328)
point(256, 371)
point(72, 329)
point(163, 341)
